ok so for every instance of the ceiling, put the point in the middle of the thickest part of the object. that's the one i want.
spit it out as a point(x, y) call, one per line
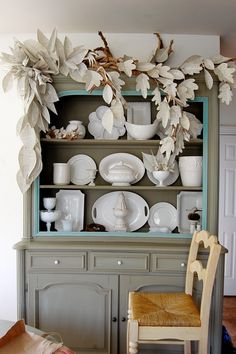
point(212, 17)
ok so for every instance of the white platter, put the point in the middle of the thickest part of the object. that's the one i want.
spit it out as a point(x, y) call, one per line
point(81, 167)
point(71, 204)
point(186, 202)
point(126, 158)
point(173, 176)
point(138, 211)
point(162, 215)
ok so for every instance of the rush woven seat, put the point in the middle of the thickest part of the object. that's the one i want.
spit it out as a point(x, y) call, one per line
point(175, 317)
point(164, 309)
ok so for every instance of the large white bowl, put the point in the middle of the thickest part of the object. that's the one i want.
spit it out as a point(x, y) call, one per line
point(141, 132)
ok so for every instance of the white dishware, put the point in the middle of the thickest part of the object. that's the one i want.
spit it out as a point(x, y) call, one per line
point(141, 131)
point(173, 176)
point(190, 168)
point(80, 169)
point(103, 211)
point(49, 203)
point(71, 205)
point(121, 174)
point(49, 216)
point(162, 215)
point(61, 173)
point(120, 211)
point(77, 127)
point(67, 224)
point(186, 203)
point(97, 130)
point(161, 176)
point(136, 167)
point(139, 112)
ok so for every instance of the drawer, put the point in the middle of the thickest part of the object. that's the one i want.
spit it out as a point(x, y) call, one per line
point(172, 263)
point(118, 262)
point(57, 260)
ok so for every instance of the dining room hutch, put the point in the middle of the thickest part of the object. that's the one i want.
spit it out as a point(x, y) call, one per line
point(77, 283)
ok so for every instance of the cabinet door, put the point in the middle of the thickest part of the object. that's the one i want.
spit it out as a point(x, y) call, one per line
point(163, 282)
point(82, 308)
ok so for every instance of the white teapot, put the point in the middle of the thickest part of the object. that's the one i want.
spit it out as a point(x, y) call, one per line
point(121, 174)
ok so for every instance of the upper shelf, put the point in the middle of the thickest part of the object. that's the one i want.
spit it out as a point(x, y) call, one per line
point(118, 142)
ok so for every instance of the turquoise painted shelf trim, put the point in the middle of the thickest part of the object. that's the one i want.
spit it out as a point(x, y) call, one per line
point(36, 228)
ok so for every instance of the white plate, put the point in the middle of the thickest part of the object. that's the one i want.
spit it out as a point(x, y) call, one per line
point(81, 167)
point(173, 176)
point(138, 211)
point(186, 202)
point(128, 159)
point(138, 113)
point(163, 215)
point(71, 204)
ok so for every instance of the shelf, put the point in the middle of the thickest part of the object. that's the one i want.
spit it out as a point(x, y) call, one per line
point(109, 187)
point(119, 142)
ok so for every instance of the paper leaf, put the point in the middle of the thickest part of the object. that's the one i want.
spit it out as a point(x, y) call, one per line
point(149, 162)
point(225, 94)
point(167, 146)
point(27, 161)
point(107, 120)
point(28, 136)
point(177, 74)
point(208, 63)
point(184, 121)
point(68, 48)
point(42, 38)
point(107, 94)
point(92, 78)
point(7, 82)
point(52, 41)
point(127, 66)
point(23, 184)
point(175, 115)
point(161, 55)
point(142, 84)
point(118, 113)
point(171, 90)
point(164, 113)
point(144, 66)
point(164, 71)
point(192, 65)
point(116, 80)
point(218, 59)
point(77, 55)
point(156, 96)
point(208, 79)
point(225, 73)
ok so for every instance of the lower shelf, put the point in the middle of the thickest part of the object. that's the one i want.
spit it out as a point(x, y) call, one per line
point(111, 234)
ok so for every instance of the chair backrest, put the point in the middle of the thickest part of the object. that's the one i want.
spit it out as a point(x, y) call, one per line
point(207, 273)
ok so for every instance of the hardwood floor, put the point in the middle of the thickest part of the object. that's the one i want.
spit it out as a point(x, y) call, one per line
point(229, 316)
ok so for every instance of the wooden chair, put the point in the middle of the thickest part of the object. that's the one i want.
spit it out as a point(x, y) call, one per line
point(164, 318)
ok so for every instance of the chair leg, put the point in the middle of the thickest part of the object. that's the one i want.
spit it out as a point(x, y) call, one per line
point(203, 346)
point(187, 347)
point(132, 337)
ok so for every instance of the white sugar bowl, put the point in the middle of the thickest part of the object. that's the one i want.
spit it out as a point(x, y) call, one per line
point(77, 127)
point(121, 174)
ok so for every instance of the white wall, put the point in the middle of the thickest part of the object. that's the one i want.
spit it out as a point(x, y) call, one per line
point(141, 46)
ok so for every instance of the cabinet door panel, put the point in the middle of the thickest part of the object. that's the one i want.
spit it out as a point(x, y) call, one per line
point(79, 307)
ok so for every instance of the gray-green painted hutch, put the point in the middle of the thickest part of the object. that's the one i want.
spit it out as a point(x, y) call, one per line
point(77, 283)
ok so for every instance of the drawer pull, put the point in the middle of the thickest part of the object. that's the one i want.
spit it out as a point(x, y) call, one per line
point(119, 262)
point(123, 319)
point(182, 264)
point(56, 261)
point(114, 319)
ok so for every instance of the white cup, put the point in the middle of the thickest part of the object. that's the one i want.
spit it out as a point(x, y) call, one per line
point(190, 168)
point(61, 173)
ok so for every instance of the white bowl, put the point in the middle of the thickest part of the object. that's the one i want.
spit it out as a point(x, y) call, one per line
point(141, 132)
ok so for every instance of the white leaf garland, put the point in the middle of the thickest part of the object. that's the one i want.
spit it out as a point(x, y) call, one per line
point(208, 79)
point(225, 94)
point(225, 73)
point(92, 78)
point(127, 66)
